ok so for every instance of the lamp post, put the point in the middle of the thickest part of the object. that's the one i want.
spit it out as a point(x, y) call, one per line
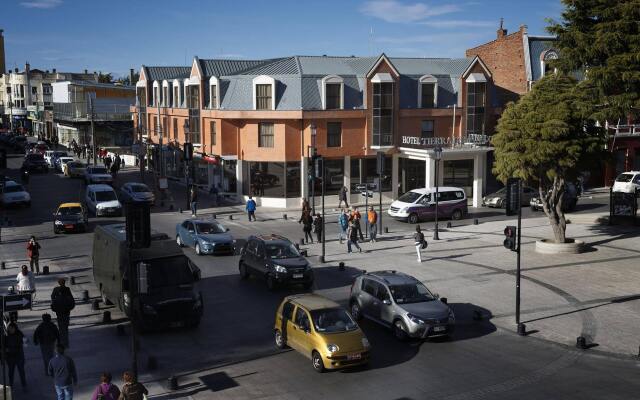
point(453, 124)
point(187, 169)
point(314, 132)
point(10, 113)
point(438, 156)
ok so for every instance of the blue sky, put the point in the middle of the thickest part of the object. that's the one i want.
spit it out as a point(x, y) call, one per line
point(116, 35)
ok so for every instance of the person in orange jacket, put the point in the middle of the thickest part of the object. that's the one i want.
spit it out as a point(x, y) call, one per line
point(372, 218)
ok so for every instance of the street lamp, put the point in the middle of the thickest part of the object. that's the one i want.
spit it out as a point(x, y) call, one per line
point(187, 169)
point(314, 154)
point(438, 156)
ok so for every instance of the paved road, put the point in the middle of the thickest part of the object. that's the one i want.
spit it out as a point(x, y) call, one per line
point(231, 355)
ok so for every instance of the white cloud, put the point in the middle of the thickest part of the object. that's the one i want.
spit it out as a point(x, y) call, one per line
point(41, 4)
point(395, 11)
point(435, 38)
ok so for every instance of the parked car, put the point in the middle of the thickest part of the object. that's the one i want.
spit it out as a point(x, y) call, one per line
point(569, 203)
point(321, 330)
point(50, 157)
point(498, 199)
point(35, 162)
point(207, 237)
point(136, 192)
point(402, 303)
point(75, 169)
point(419, 204)
point(70, 217)
point(102, 201)
point(97, 175)
point(14, 194)
point(61, 162)
point(627, 182)
point(276, 259)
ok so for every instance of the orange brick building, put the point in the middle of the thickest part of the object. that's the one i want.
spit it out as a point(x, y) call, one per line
point(254, 122)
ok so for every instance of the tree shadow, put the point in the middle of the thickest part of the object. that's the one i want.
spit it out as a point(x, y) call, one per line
point(613, 233)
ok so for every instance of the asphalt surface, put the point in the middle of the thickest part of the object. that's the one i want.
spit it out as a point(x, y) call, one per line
point(232, 355)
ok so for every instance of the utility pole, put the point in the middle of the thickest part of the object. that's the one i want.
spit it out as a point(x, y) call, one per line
point(520, 327)
point(160, 133)
point(10, 113)
point(141, 148)
point(93, 139)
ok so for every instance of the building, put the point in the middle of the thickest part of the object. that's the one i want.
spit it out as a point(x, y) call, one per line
point(77, 103)
point(254, 123)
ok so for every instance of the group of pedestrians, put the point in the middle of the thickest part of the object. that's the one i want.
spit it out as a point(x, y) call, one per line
point(112, 164)
point(311, 224)
point(351, 227)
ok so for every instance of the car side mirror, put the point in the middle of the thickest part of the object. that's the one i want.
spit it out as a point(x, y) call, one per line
point(386, 302)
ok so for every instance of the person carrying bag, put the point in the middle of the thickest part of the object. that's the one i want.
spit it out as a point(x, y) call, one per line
point(419, 242)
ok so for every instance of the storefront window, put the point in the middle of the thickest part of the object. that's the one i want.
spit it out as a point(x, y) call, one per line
point(229, 181)
point(412, 175)
point(334, 170)
point(264, 179)
point(459, 173)
point(355, 174)
point(368, 169)
point(293, 179)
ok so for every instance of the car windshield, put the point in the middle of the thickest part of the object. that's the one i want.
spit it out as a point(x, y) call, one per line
point(106, 196)
point(60, 154)
point(139, 188)
point(331, 320)
point(67, 211)
point(171, 271)
point(13, 189)
point(411, 293)
point(624, 178)
point(76, 165)
point(409, 197)
point(209, 228)
point(98, 170)
point(276, 251)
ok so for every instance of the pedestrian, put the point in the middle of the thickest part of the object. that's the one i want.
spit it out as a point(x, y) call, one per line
point(372, 218)
point(14, 352)
point(33, 252)
point(132, 389)
point(107, 162)
point(62, 302)
point(114, 169)
point(307, 225)
point(251, 208)
point(63, 370)
point(305, 205)
point(26, 282)
point(343, 221)
point(46, 335)
point(357, 217)
point(352, 234)
point(419, 242)
point(317, 227)
point(193, 196)
point(105, 389)
point(342, 196)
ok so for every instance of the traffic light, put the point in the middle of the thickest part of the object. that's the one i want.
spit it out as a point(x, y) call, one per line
point(188, 151)
point(510, 239)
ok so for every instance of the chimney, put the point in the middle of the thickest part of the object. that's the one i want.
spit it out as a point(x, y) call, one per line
point(501, 32)
point(2, 62)
point(131, 82)
point(523, 29)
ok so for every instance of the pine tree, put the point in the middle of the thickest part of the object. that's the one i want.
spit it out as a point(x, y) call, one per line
point(547, 137)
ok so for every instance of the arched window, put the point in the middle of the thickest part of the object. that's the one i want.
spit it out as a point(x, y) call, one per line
point(332, 93)
point(166, 94)
point(214, 93)
point(177, 93)
point(428, 92)
point(264, 93)
point(545, 57)
point(156, 93)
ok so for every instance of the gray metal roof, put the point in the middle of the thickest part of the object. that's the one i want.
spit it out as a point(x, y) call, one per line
point(537, 46)
point(222, 67)
point(162, 73)
point(431, 66)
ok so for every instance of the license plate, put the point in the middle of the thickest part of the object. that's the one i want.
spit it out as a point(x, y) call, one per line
point(297, 276)
point(69, 226)
point(354, 356)
point(439, 328)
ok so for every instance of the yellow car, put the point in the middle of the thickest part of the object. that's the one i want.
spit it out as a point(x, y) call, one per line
point(70, 217)
point(321, 330)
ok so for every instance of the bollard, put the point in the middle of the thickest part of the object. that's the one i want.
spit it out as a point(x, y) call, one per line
point(45, 270)
point(106, 317)
point(581, 342)
point(321, 259)
point(95, 305)
point(301, 242)
point(172, 383)
point(475, 221)
point(231, 216)
point(152, 363)
point(341, 266)
point(386, 229)
point(448, 224)
point(284, 216)
point(72, 280)
point(85, 296)
point(3, 265)
point(444, 300)
point(522, 329)
point(120, 330)
point(170, 207)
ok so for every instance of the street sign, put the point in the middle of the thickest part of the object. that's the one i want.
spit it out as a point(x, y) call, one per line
point(16, 302)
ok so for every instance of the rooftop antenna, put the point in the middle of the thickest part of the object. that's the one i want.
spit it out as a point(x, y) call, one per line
point(501, 21)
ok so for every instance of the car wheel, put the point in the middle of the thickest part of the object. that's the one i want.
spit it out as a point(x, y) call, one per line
point(244, 273)
point(316, 362)
point(355, 311)
point(413, 218)
point(179, 241)
point(198, 251)
point(399, 331)
point(501, 204)
point(280, 342)
point(271, 282)
point(457, 215)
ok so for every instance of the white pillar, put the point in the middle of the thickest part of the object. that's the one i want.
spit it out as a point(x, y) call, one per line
point(239, 180)
point(304, 178)
point(395, 173)
point(347, 171)
point(478, 178)
point(430, 172)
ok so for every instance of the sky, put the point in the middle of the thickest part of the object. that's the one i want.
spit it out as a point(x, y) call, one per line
point(115, 35)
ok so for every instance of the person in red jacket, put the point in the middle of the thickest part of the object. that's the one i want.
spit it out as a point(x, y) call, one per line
point(33, 252)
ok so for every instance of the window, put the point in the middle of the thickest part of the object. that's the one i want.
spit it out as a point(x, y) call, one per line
point(333, 100)
point(263, 97)
point(334, 134)
point(34, 90)
point(382, 114)
point(293, 179)
point(302, 319)
point(175, 129)
point(214, 96)
point(155, 126)
point(369, 286)
point(265, 134)
point(165, 127)
point(155, 95)
point(287, 311)
point(165, 96)
point(176, 96)
point(142, 96)
point(475, 107)
point(428, 95)
point(427, 129)
point(8, 89)
point(194, 97)
point(265, 179)
point(212, 131)
point(382, 293)
point(194, 129)
point(334, 176)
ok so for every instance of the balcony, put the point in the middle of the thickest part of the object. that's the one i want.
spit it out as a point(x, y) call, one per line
point(79, 112)
point(625, 130)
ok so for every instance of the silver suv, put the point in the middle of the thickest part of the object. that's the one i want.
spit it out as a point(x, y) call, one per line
point(402, 303)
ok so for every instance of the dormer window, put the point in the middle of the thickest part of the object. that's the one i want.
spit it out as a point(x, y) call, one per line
point(333, 89)
point(156, 94)
point(185, 90)
point(428, 92)
point(264, 89)
point(547, 56)
point(214, 93)
point(166, 93)
point(176, 94)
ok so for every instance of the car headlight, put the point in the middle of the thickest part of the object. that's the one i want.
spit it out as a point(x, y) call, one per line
point(147, 309)
point(365, 342)
point(332, 348)
point(404, 210)
point(126, 299)
point(205, 243)
point(57, 222)
point(415, 319)
point(280, 269)
point(452, 317)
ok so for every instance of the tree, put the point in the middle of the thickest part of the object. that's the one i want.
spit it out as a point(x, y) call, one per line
point(105, 78)
point(547, 137)
point(602, 37)
point(124, 80)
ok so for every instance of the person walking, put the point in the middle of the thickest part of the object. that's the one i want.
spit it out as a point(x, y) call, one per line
point(343, 196)
point(251, 208)
point(305, 205)
point(419, 242)
point(14, 353)
point(193, 196)
point(343, 221)
point(46, 335)
point(63, 370)
point(33, 253)
point(26, 282)
point(317, 227)
point(62, 302)
point(372, 219)
point(105, 389)
point(132, 389)
point(352, 234)
point(357, 218)
point(307, 225)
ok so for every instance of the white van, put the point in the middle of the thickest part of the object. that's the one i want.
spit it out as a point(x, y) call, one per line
point(420, 204)
point(627, 182)
point(101, 200)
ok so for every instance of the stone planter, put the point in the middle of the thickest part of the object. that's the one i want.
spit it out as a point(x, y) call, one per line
point(572, 246)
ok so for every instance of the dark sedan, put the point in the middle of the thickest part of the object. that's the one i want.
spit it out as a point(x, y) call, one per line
point(70, 217)
point(35, 162)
